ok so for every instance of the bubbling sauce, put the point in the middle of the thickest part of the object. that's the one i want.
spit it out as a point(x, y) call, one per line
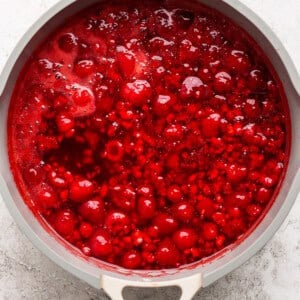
point(148, 135)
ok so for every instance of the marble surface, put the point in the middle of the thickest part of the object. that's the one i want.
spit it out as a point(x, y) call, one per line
point(274, 273)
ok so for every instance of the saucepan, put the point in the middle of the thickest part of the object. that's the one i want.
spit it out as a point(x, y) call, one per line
point(189, 278)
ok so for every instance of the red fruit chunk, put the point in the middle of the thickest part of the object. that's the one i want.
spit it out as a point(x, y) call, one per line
point(83, 101)
point(210, 231)
point(64, 222)
point(183, 211)
point(193, 86)
point(84, 68)
point(137, 92)
point(174, 194)
point(92, 210)
point(236, 173)
point(126, 61)
point(167, 254)
point(238, 61)
point(185, 238)
point(223, 83)
point(80, 190)
point(65, 122)
point(116, 220)
point(47, 199)
point(263, 195)
point(131, 260)
point(205, 207)
point(211, 125)
point(114, 151)
point(100, 244)
point(68, 42)
point(123, 197)
point(165, 223)
point(163, 104)
point(86, 230)
point(146, 208)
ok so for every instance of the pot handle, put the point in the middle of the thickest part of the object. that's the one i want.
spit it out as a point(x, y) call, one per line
point(114, 286)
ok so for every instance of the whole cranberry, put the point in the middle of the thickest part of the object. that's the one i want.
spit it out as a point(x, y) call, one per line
point(167, 255)
point(116, 221)
point(137, 92)
point(64, 122)
point(92, 210)
point(165, 223)
point(185, 238)
point(100, 244)
point(81, 189)
point(64, 222)
point(47, 199)
point(174, 193)
point(236, 173)
point(131, 260)
point(124, 197)
point(114, 150)
point(84, 68)
point(86, 230)
point(223, 83)
point(183, 211)
point(68, 42)
point(210, 231)
point(146, 207)
point(263, 195)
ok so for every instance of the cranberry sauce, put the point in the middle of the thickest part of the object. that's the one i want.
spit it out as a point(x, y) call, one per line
point(148, 135)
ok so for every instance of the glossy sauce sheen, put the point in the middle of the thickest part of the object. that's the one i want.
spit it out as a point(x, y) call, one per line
point(149, 136)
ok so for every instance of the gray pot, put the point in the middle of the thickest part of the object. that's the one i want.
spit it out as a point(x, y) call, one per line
point(189, 278)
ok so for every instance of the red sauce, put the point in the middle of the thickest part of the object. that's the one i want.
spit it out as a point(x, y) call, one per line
point(148, 135)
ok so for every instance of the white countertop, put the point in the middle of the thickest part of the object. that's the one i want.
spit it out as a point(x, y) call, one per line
point(274, 273)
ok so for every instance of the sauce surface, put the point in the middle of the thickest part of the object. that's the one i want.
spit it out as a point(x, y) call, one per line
point(148, 135)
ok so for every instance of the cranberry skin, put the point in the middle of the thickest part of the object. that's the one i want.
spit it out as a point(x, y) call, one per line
point(100, 244)
point(116, 220)
point(174, 194)
point(185, 238)
point(68, 42)
point(64, 222)
point(211, 125)
point(206, 207)
point(80, 190)
point(65, 122)
point(131, 260)
point(256, 81)
point(166, 224)
point(137, 92)
point(238, 199)
point(47, 199)
point(114, 151)
point(254, 210)
point(193, 86)
point(146, 207)
point(86, 230)
point(263, 195)
point(84, 68)
point(163, 104)
point(92, 210)
point(223, 83)
point(209, 231)
point(238, 61)
point(183, 211)
point(124, 197)
point(236, 173)
point(167, 255)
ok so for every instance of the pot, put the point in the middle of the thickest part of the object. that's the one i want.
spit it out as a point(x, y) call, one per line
point(191, 277)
